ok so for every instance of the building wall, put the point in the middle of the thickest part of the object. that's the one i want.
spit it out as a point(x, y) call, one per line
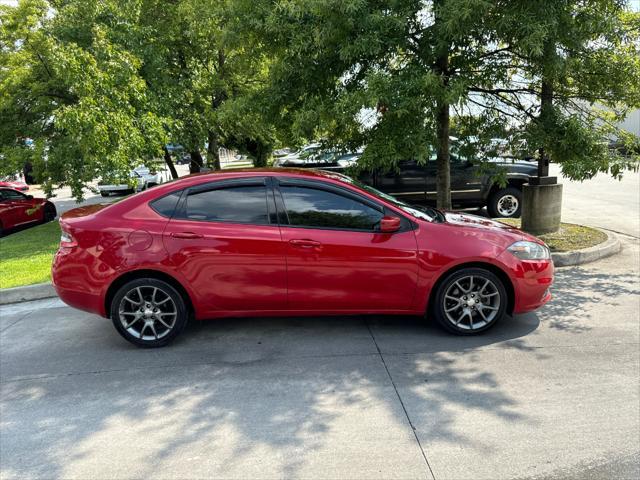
point(632, 123)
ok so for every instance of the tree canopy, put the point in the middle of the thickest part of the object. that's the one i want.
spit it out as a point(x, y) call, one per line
point(396, 77)
point(91, 88)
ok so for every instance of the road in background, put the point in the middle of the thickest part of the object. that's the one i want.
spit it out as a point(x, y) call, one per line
point(602, 201)
point(64, 201)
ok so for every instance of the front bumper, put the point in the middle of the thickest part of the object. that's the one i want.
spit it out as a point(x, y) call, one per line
point(532, 280)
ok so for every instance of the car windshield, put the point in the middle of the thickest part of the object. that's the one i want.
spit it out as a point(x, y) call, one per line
point(429, 214)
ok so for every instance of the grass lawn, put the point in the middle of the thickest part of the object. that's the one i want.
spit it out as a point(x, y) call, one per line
point(25, 256)
point(569, 237)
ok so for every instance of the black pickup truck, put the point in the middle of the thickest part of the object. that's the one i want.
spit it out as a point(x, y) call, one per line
point(415, 183)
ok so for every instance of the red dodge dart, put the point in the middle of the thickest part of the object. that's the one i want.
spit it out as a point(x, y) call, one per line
point(18, 209)
point(265, 242)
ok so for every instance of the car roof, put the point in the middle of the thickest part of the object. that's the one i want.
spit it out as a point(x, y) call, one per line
point(196, 179)
point(270, 172)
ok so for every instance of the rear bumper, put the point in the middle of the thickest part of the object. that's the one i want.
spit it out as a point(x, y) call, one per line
point(114, 188)
point(73, 286)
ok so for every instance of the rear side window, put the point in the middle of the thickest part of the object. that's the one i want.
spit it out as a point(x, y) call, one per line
point(241, 204)
point(7, 194)
point(311, 207)
point(166, 205)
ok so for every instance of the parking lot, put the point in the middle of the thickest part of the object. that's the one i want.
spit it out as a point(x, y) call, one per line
point(544, 395)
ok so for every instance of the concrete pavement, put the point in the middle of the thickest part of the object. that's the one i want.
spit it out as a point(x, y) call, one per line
point(543, 395)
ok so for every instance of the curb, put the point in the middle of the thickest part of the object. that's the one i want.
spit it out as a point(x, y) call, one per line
point(26, 294)
point(609, 247)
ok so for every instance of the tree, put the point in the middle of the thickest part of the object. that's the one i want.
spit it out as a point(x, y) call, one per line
point(204, 77)
point(571, 71)
point(393, 76)
point(91, 89)
point(73, 91)
point(379, 74)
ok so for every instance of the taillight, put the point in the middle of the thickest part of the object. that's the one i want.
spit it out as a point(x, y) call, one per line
point(67, 240)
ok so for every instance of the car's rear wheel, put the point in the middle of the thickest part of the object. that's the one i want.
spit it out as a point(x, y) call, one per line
point(505, 203)
point(148, 312)
point(470, 301)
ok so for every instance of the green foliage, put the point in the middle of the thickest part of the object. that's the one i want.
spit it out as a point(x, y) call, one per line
point(364, 73)
point(101, 86)
point(588, 55)
point(73, 89)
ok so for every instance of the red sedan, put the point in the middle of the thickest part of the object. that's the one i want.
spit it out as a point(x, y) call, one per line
point(290, 242)
point(15, 184)
point(18, 209)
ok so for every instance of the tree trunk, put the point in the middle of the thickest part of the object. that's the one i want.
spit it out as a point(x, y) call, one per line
point(169, 161)
point(259, 152)
point(261, 159)
point(546, 110)
point(443, 175)
point(217, 97)
point(443, 121)
point(546, 103)
point(213, 151)
point(196, 161)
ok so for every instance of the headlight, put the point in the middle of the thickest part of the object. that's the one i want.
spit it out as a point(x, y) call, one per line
point(529, 251)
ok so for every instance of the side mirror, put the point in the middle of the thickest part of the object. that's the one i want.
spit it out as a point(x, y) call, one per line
point(29, 197)
point(389, 224)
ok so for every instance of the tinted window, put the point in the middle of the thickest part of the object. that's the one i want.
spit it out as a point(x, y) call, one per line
point(311, 207)
point(7, 194)
point(166, 205)
point(246, 204)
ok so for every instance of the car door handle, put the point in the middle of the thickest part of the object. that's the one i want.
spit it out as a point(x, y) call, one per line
point(187, 235)
point(303, 243)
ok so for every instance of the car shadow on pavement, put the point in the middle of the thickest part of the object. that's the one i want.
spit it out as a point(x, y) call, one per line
point(295, 390)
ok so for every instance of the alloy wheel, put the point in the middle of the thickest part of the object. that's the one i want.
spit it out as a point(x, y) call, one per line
point(147, 313)
point(471, 302)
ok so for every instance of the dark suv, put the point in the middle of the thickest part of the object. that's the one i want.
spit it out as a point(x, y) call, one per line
point(470, 187)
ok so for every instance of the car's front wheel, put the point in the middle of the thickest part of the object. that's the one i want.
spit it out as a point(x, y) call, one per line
point(49, 213)
point(505, 203)
point(148, 312)
point(470, 301)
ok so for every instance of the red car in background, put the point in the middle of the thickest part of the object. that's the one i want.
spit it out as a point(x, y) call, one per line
point(15, 184)
point(18, 209)
point(265, 242)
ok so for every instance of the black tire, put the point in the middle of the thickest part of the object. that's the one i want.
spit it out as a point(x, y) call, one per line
point(501, 203)
point(496, 299)
point(49, 213)
point(1, 230)
point(143, 323)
